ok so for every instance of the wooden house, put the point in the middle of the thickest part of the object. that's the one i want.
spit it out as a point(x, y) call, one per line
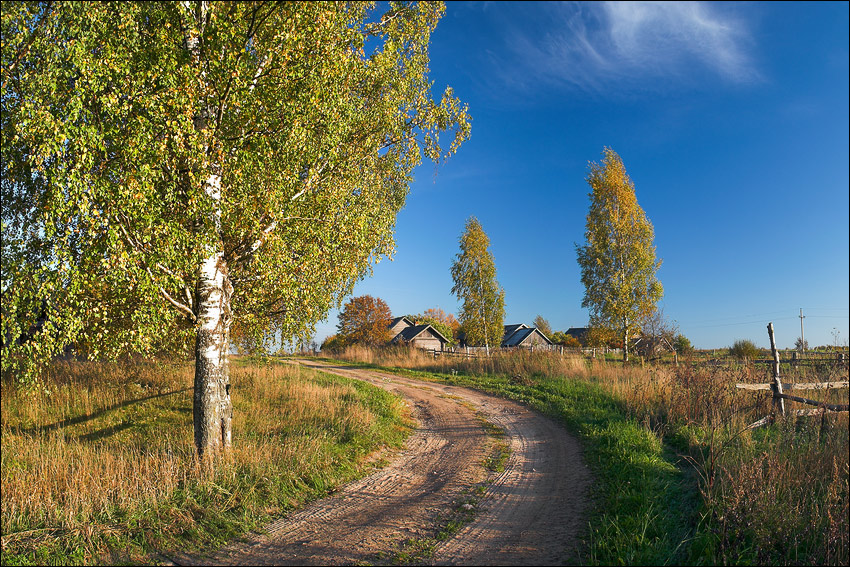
point(398, 324)
point(524, 336)
point(421, 336)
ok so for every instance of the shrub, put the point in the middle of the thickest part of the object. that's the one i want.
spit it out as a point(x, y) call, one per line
point(744, 349)
point(334, 343)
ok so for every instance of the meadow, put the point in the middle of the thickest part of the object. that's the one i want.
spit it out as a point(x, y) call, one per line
point(98, 462)
point(680, 478)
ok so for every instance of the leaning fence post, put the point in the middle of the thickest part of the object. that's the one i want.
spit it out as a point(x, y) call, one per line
point(777, 383)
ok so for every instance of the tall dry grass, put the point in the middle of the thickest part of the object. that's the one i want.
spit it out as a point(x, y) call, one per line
point(106, 449)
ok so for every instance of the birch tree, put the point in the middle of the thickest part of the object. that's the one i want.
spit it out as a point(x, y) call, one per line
point(618, 265)
point(474, 274)
point(178, 166)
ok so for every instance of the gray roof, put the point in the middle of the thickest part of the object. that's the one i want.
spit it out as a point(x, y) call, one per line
point(511, 329)
point(409, 333)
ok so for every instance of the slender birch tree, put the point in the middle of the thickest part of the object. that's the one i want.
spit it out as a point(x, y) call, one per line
point(168, 168)
point(618, 265)
point(474, 274)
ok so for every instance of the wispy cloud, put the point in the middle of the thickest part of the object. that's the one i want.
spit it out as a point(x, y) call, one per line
point(595, 46)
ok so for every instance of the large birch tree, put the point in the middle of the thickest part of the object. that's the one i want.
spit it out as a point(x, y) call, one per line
point(168, 168)
point(618, 265)
point(482, 314)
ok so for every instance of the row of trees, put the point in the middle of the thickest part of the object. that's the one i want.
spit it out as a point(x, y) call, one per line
point(365, 320)
point(618, 269)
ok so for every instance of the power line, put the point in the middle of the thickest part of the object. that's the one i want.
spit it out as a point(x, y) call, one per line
point(739, 323)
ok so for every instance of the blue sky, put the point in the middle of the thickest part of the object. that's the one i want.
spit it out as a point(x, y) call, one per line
point(732, 122)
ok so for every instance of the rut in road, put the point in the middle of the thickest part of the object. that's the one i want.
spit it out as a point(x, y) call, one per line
point(530, 514)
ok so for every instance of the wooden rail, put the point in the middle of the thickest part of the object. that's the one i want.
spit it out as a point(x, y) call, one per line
point(837, 384)
point(779, 397)
point(833, 407)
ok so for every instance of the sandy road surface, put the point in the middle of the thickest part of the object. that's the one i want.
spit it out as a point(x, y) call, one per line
point(530, 514)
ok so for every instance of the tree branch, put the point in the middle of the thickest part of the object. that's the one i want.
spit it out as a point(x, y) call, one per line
point(185, 309)
point(244, 251)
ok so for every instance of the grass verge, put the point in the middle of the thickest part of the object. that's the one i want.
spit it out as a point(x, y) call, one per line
point(98, 465)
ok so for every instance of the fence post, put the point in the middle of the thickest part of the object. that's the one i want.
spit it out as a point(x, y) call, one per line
point(777, 383)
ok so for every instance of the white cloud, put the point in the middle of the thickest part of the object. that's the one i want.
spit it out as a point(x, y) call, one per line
point(595, 46)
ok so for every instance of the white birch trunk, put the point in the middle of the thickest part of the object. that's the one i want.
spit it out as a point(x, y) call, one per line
point(212, 407)
point(212, 410)
point(483, 312)
point(625, 340)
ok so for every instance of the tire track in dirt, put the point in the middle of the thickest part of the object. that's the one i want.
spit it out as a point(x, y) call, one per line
point(530, 514)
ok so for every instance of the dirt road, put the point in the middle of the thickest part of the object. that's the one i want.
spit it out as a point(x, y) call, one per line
point(529, 514)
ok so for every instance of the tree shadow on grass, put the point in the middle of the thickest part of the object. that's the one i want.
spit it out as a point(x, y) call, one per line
point(105, 432)
point(40, 429)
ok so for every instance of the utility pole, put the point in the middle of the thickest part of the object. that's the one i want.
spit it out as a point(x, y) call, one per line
point(802, 336)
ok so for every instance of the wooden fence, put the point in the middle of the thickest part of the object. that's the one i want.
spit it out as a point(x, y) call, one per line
point(475, 352)
point(779, 396)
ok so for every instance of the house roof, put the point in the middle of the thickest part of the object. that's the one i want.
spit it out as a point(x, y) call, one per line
point(511, 329)
point(520, 335)
point(409, 333)
point(397, 320)
point(577, 331)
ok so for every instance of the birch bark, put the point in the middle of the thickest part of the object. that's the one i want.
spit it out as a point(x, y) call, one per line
point(212, 410)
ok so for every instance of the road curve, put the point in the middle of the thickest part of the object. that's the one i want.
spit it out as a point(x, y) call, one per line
point(530, 514)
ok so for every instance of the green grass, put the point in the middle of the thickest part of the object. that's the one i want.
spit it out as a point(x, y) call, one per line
point(102, 469)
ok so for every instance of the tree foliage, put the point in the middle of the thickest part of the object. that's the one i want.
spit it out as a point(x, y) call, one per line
point(334, 343)
point(439, 315)
point(562, 338)
point(168, 168)
point(682, 344)
point(365, 320)
point(618, 265)
point(474, 274)
point(543, 326)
